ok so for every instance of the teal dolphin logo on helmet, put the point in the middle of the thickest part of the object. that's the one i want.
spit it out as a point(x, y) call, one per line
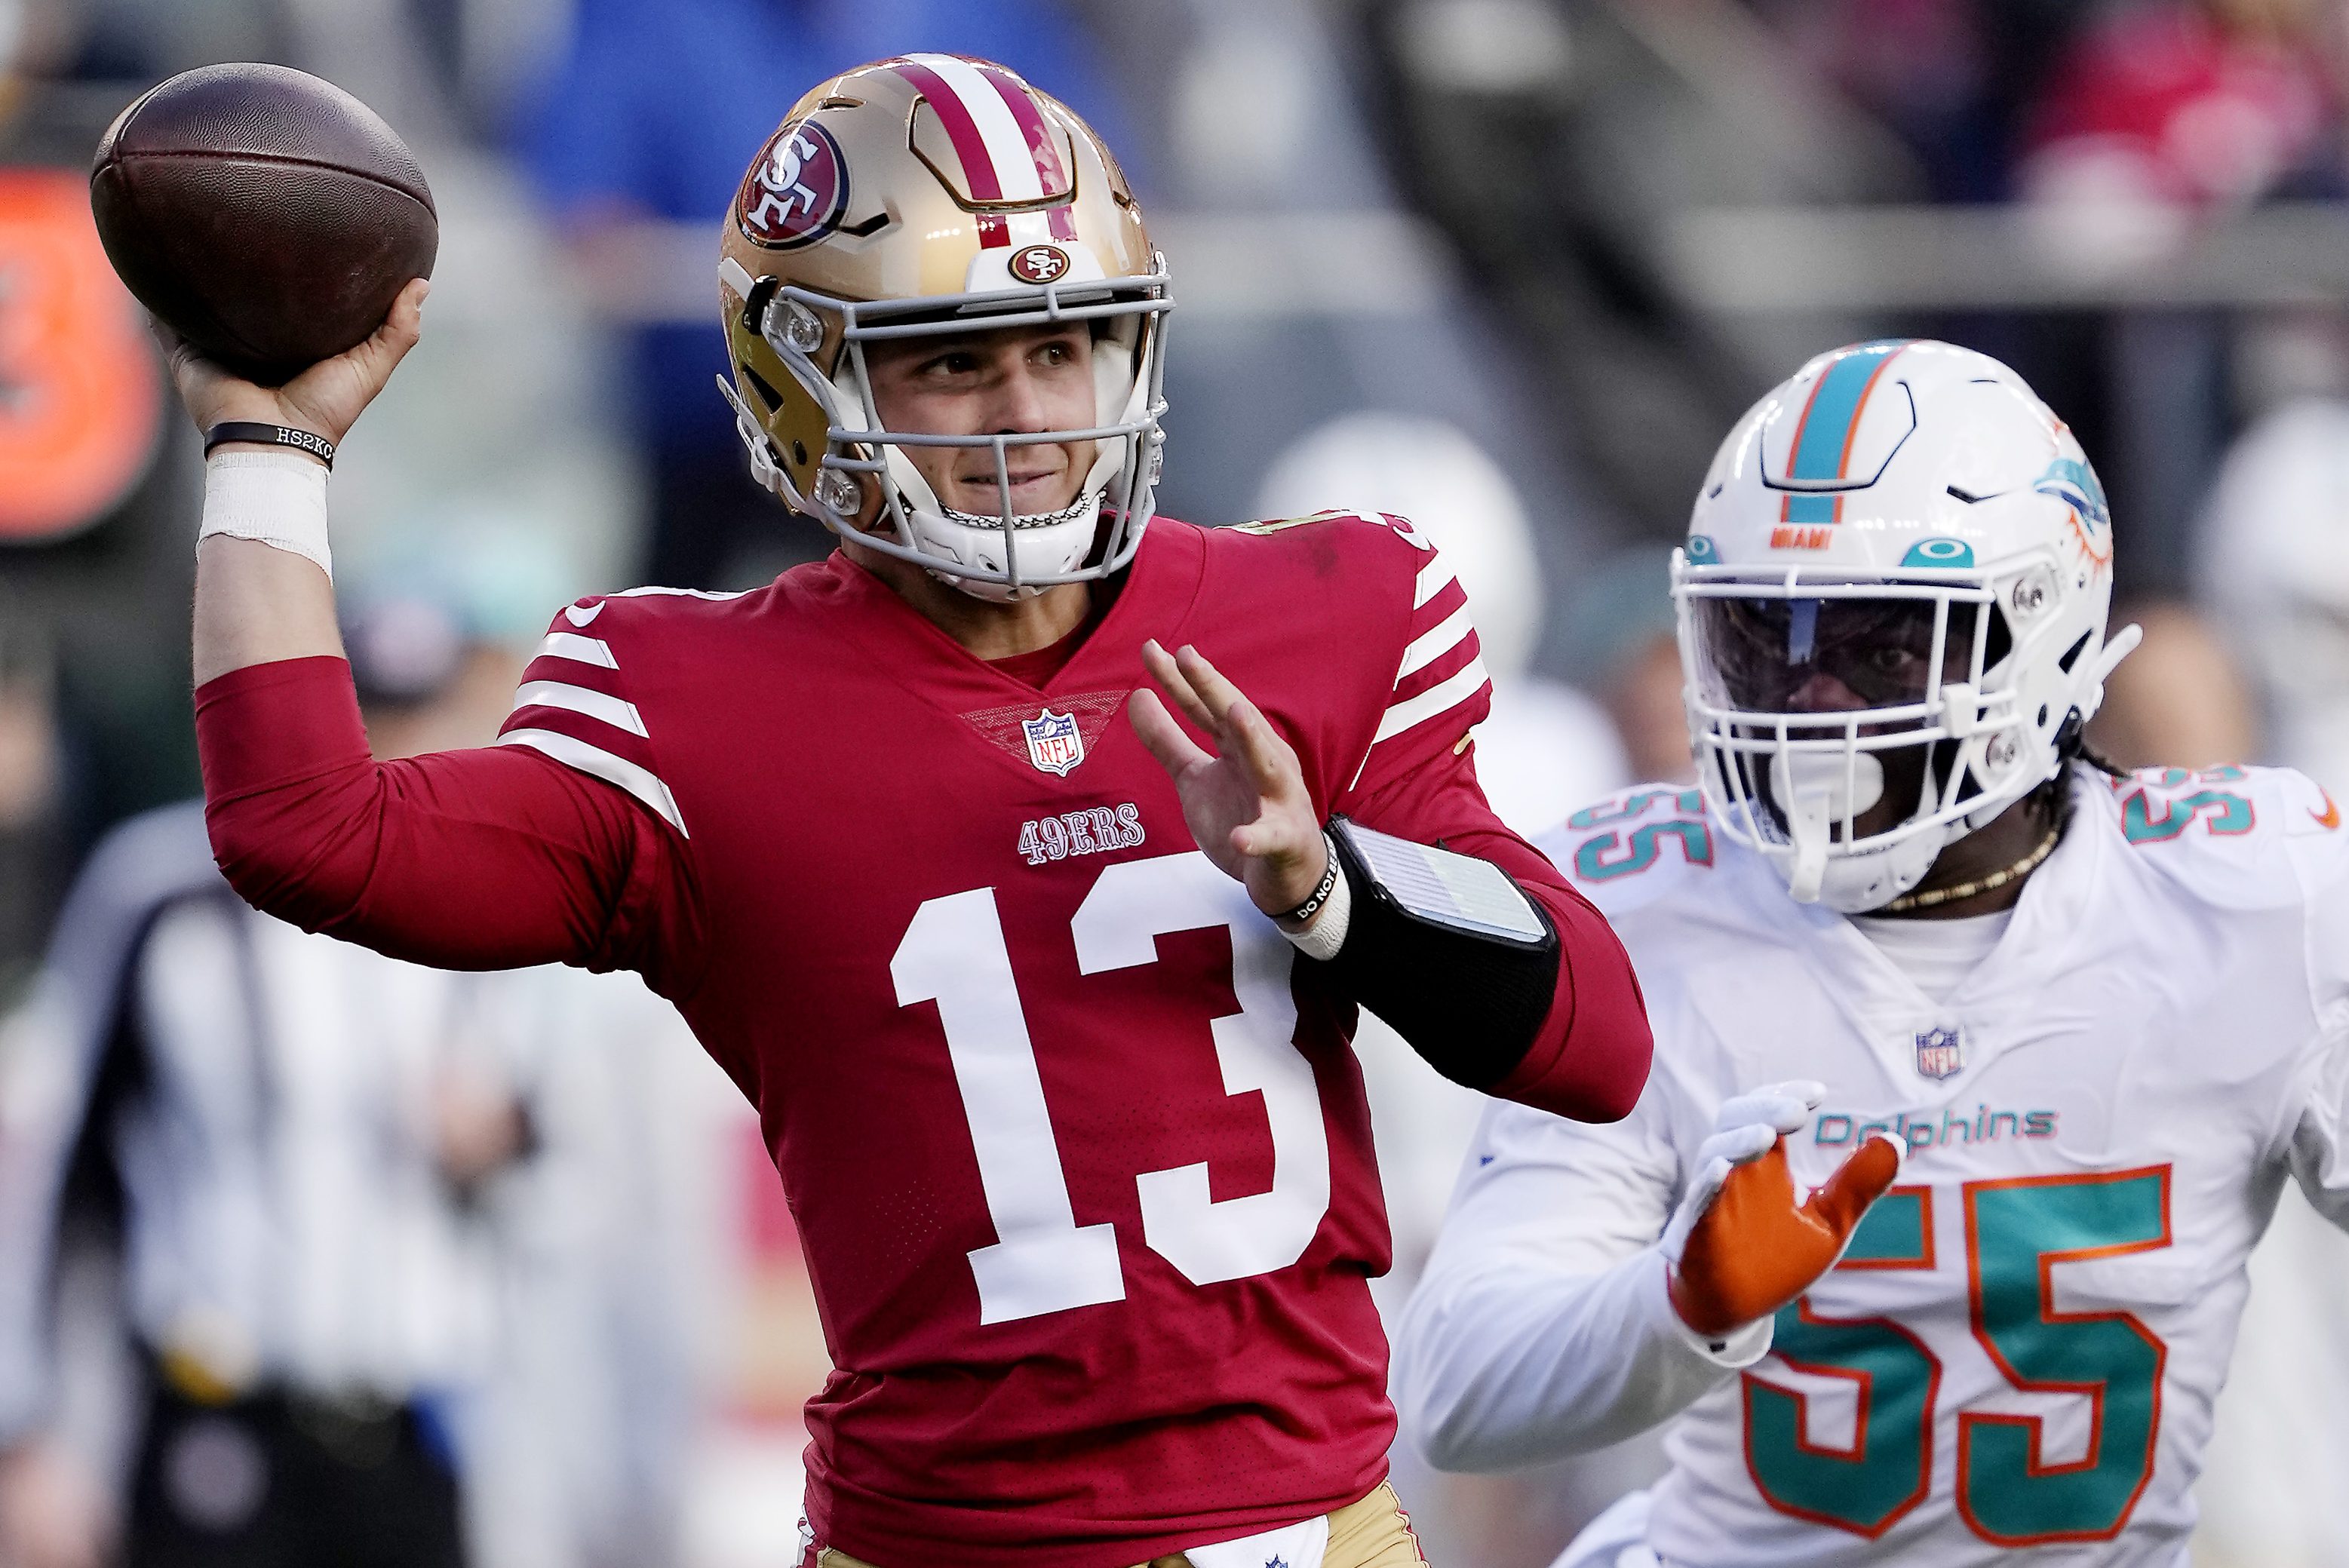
point(2074, 484)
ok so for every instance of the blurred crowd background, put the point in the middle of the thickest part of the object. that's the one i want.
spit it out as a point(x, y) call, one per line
point(505, 1250)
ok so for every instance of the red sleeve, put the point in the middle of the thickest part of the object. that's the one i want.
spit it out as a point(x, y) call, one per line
point(1589, 1059)
point(489, 859)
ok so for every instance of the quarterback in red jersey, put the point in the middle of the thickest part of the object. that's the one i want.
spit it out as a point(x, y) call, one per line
point(1045, 1003)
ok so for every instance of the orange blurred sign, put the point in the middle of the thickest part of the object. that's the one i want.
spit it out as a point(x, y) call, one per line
point(79, 395)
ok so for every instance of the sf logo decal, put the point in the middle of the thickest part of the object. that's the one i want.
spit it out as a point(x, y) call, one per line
point(795, 194)
point(1040, 264)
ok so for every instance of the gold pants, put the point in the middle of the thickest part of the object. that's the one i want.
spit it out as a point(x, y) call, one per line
point(1372, 1533)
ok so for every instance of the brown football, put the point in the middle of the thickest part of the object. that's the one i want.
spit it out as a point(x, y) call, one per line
point(268, 217)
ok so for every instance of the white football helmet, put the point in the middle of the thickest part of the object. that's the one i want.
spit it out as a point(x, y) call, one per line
point(1898, 549)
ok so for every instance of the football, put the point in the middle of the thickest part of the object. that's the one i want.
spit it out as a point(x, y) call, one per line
point(268, 217)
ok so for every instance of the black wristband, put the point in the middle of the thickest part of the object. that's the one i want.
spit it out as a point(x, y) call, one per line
point(1312, 905)
point(227, 430)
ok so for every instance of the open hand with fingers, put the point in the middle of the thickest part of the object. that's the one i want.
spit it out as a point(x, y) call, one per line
point(1245, 802)
point(1739, 1246)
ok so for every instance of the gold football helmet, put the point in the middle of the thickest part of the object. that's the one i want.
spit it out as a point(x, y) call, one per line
point(925, 196)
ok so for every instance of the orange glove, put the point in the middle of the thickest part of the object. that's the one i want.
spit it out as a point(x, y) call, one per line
point(1739, 1248)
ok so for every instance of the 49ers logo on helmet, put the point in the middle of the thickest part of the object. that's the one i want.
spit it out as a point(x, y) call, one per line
point(796, 191)
point(1039, 264)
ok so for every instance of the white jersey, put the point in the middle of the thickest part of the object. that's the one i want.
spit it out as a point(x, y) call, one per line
point(2023, 1346)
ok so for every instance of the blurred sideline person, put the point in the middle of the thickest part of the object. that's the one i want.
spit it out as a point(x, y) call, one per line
point(2275, 560)
point(300, 1147)
point(2275, 555)
point(387, 1228)
point(2180, 696)
point(1073, 1137)
point(1545, 749)
point(32, 768)
point(575, 1445)
point(1622, 647)
point(2104, 1016)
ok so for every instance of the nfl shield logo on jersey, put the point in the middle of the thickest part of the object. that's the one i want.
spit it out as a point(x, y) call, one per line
point(1939, 1052)
point(1053, 743)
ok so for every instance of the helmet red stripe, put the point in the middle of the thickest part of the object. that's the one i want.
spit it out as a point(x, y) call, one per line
point(1032, 129)
point(970, 145)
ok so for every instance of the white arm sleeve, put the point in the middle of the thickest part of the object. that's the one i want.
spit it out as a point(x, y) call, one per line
point(2316, 1115)
point(1541, 1327)
point(2319, 1150)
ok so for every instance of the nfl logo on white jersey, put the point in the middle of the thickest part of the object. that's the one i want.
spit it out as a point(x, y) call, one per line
point(1939, 1053)
point(1053, 743)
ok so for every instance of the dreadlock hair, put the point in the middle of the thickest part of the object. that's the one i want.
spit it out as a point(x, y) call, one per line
point(2072, 744)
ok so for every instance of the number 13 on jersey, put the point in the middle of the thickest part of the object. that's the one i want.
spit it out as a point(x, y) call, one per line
point(954, 954)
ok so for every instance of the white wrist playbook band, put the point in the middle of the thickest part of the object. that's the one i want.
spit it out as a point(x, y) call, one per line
point(1327, 934)
point(278, 499)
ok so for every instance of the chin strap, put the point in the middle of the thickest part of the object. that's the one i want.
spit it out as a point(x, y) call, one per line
point(765, 472)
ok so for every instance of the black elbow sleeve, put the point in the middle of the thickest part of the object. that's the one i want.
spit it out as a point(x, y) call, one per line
point(1471, 1003)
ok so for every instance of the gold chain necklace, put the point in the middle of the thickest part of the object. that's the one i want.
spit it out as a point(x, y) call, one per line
point(2021, 868)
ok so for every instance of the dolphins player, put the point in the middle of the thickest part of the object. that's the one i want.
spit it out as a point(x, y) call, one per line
point(2104, 1017)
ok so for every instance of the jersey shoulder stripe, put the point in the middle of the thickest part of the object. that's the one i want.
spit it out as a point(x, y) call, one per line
point(1432, 579)
point(1469, 679)
point(1431, 646)
point(1436, 688)
point(1442, 673)
point(573, 704)
point(596, 762)
point(585, 701)
point(577, 649)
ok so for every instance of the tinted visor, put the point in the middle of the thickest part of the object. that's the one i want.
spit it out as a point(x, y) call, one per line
point(1829, 656)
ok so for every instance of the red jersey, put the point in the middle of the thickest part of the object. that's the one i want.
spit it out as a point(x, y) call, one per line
point(1077, 1147)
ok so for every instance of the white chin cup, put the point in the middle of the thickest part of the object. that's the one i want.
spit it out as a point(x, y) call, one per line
point(1856, 883)
point(1816, 789)
point(1050, 545)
